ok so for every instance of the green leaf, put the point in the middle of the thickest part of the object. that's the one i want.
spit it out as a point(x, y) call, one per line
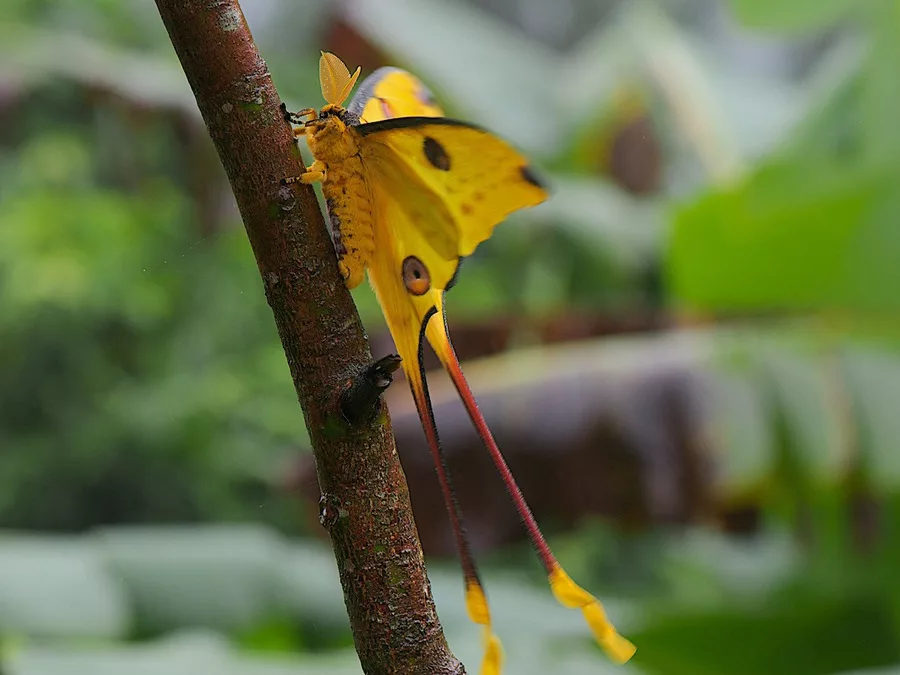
point(791, 236)
point(811, 636)
point(873, 380)
point(795, 16)
point(880, 95)
point(806, 389)
point(740, 425)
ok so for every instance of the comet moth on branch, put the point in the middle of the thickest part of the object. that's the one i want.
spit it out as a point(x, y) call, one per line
point(410, 193)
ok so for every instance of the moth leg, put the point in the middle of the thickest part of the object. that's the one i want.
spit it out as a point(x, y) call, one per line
point(345, 273)
point(313, 174)
point(299, 117)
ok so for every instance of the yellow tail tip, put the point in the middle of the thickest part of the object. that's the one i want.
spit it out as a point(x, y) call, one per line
point(492, 663)
point(480, 613)
point(617, 648)
point(476, 604)
point(570, 594)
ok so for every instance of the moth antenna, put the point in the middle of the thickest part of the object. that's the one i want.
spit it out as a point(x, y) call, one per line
point(335, 78)
point(350, 84)
point(566, 591)
point(476, 600)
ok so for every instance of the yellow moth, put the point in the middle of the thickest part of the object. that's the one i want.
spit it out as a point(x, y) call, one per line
point(410, 193)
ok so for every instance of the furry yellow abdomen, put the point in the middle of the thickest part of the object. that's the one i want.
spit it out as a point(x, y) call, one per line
point(346, 196)
point(350, 217)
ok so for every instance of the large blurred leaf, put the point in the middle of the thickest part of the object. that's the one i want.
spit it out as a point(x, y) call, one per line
point(793, 16)
point(873, 383)
point(36, 55)
point(808, 637)
point(180, 654)
point(880, 96)
point(740, 425)
point(805, 387)
point(220, 576)
point(188, 653)
point(56, 587)
point(790, 237)
point(312, 589)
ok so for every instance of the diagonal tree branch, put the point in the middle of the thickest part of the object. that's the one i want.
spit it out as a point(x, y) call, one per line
point(365, 504)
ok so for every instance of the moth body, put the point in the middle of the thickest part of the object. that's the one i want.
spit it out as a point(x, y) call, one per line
point(333, 142)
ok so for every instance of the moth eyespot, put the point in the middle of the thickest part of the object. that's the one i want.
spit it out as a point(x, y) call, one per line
point(415, 276)
point(435, 154)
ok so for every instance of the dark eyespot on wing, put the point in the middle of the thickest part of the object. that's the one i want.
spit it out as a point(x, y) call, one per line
point(531, 176)
point(455, 277)
point(416, 276)
point(435, 154)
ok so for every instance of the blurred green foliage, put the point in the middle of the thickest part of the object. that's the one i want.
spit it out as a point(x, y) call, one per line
point(141, 380)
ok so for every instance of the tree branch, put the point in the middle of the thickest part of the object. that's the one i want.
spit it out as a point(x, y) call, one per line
point(365, 504)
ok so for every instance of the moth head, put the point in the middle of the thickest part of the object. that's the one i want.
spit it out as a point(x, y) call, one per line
point(335, 79)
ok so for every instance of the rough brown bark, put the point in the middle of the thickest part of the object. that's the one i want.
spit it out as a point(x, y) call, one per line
point(365, 504)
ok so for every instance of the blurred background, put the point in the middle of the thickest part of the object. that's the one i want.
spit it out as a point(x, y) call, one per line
point(690, 355)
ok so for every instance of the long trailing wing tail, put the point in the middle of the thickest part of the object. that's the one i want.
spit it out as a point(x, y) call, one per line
point(566, 591)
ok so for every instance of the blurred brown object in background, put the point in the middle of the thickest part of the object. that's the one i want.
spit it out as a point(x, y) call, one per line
point(474, 340)
point(583, 436)
point(623, 143)
point(342, 38)
point(635, 158)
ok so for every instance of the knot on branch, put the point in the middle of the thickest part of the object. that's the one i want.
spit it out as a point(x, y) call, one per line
point(359, 401)
point(329, 511)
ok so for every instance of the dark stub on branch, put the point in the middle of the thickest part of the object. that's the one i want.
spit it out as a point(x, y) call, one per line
point(359, 401)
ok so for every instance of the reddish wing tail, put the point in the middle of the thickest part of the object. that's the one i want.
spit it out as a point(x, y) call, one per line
point(566, 591)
